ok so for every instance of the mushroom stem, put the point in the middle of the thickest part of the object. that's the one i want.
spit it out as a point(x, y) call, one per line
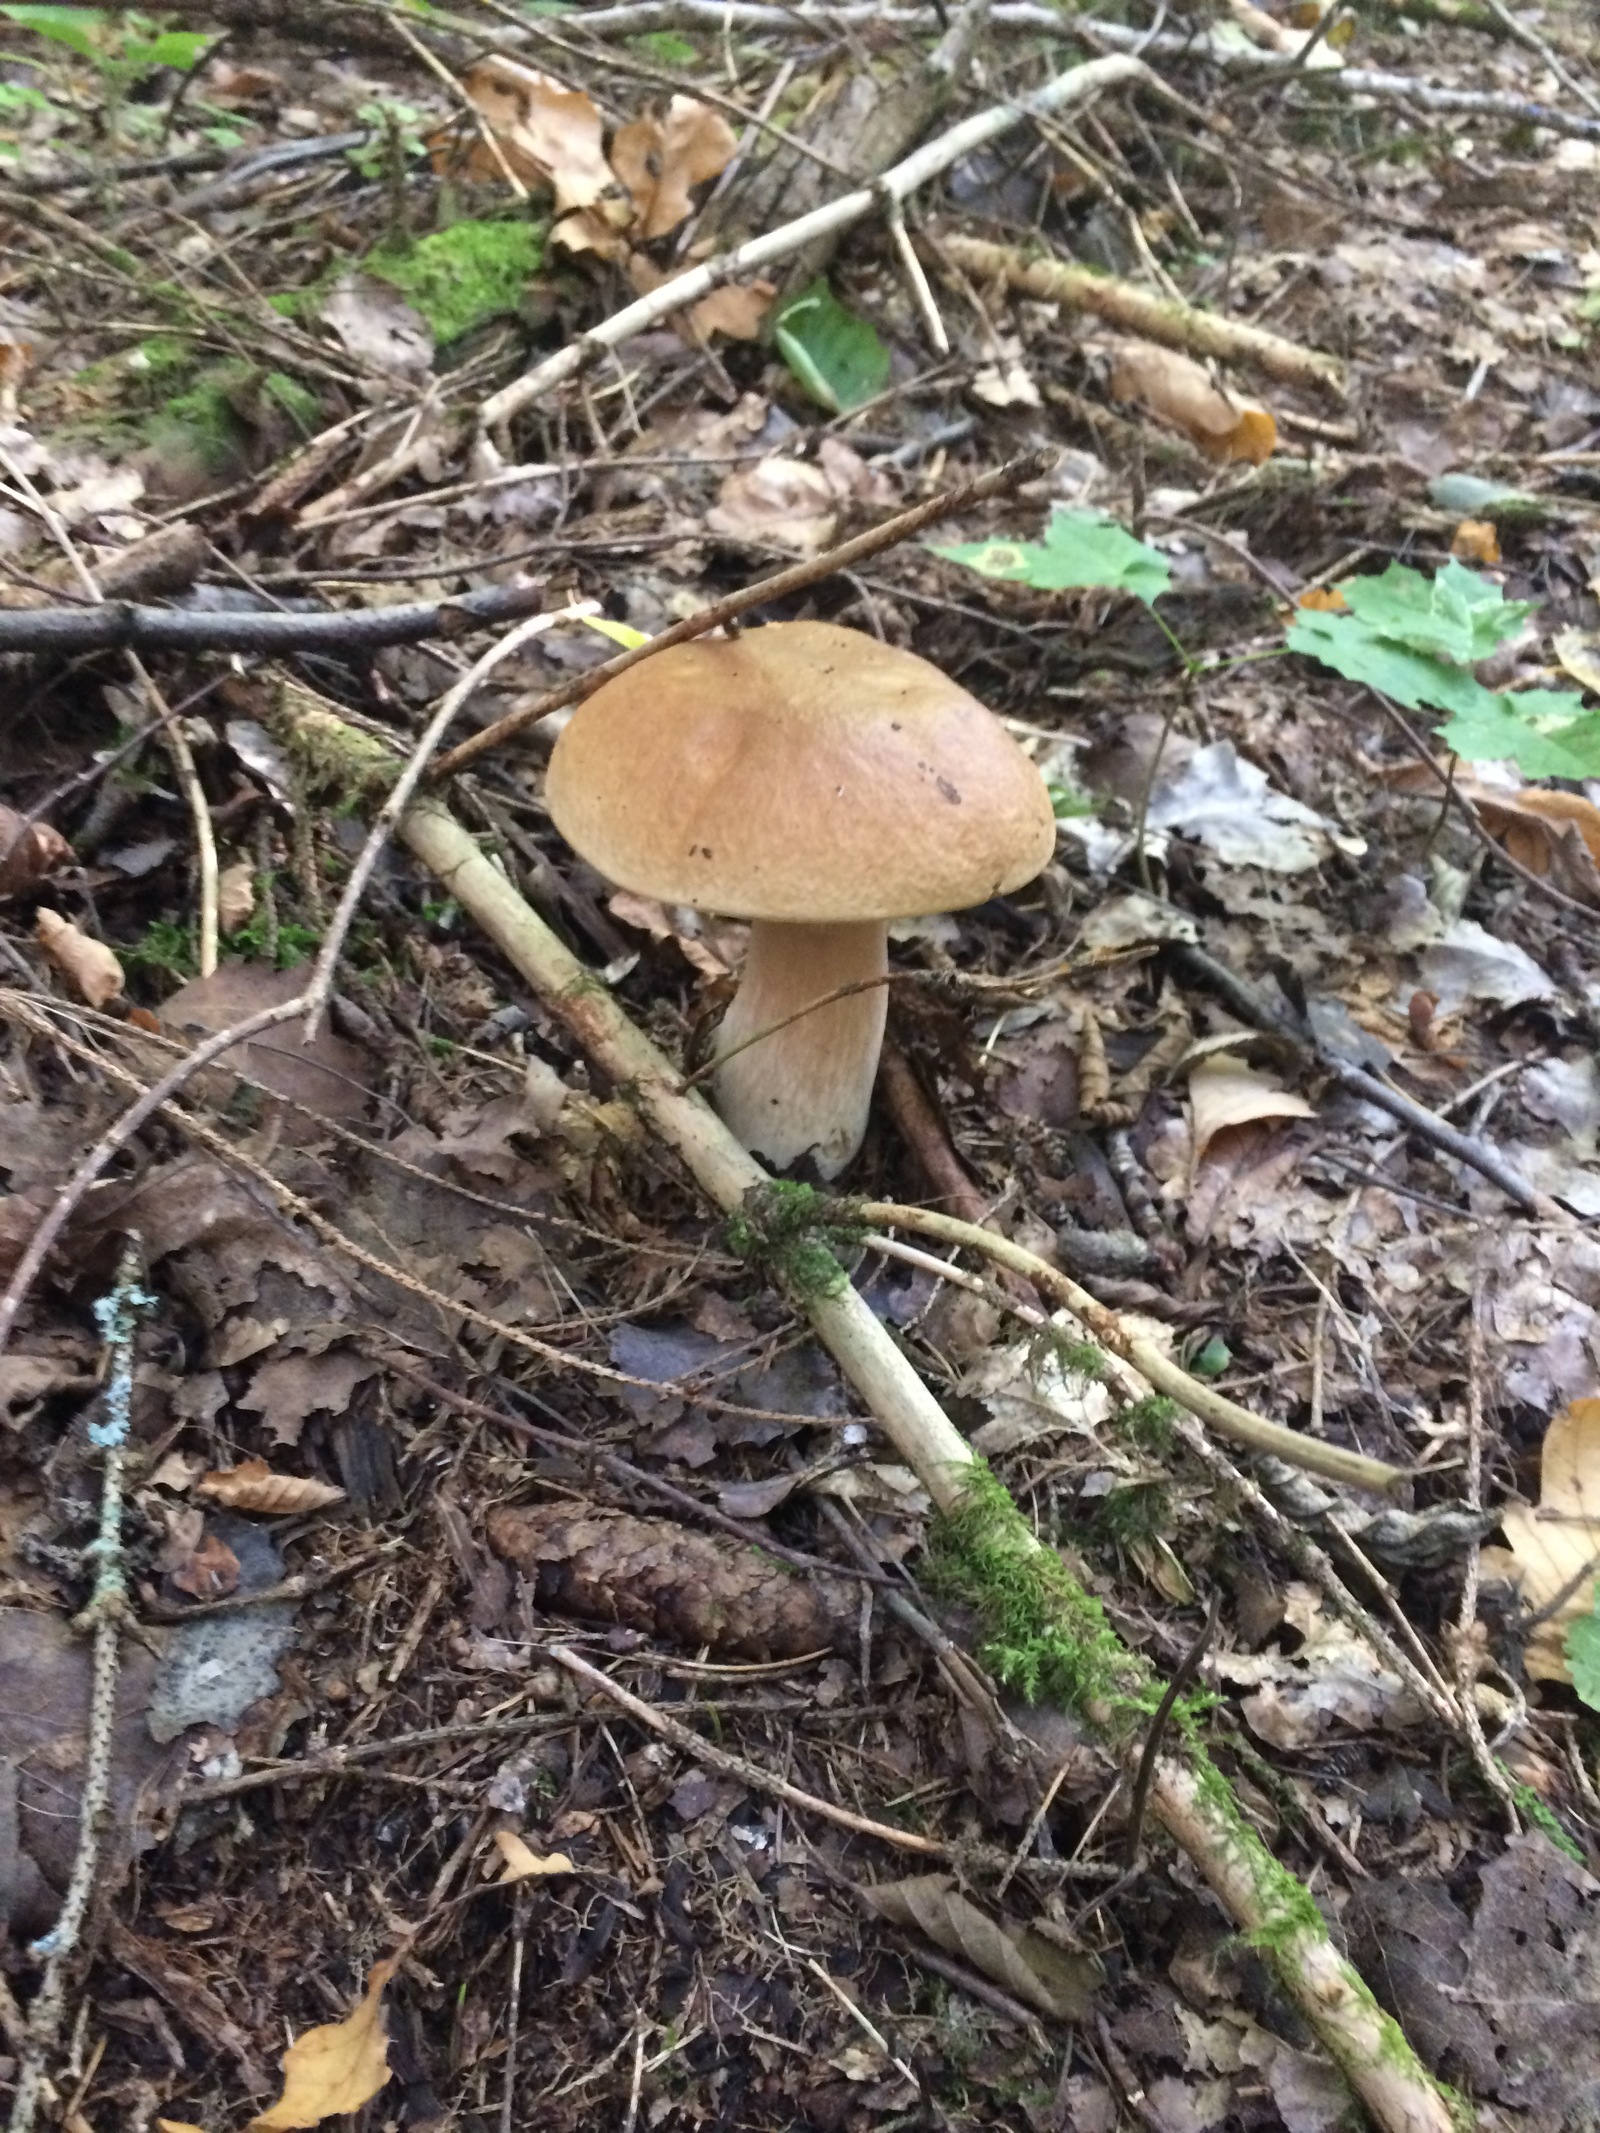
point(806, 1087)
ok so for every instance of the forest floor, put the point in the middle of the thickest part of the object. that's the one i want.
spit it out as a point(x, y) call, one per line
point(453, 1413)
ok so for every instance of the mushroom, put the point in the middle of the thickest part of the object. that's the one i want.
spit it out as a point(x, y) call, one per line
point(819, 783)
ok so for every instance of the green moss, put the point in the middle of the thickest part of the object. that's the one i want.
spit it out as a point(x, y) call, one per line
point(1149, 1422)
point(1138, 1511)
point(333, 755)
point(462, 276)
point(298, 402)
point(796, 1233)
point(1534, 1811)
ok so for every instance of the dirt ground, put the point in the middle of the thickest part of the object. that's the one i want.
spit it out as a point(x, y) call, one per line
point(459, 1607)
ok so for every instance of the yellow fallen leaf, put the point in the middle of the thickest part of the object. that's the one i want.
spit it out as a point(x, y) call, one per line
point(1324, 600)
point(335, 2067)
point(522, 1864)
point(88, 963)
point(1224, 425)
point(177, 2125)
point(1554, 1553)
point(1224, 1092)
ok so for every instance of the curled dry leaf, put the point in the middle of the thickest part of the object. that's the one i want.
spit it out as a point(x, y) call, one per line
point(88, 963)
point(1554, 1555)
point(338, 2066)
point(252, 1486)
point(546, 131)
point(523, 1864)
point(660, 160)
point(1224, 1092)
point(236, 895)
point(28, 852)
point(1181, 391)
point(1029, 1967)
point(794, 503)
point(737, 309)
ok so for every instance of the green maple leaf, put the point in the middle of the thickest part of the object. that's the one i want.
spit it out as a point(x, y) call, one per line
point(1456, 615)
point(1080, 549)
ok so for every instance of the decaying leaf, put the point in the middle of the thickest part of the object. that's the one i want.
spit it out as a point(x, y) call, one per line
point(1553, 1558)
point(1224, 1092)
point(522, 1864)
point(338, 2066)
point(545, 131)
point(660, 160)
point(794, 503)
point(1223, 424)
point(329, 1076)
point(29, 850)
point(252, 1486)
point(1032, 1969)
point(736, 309)
point(1229, 806)
point(1335, 1678)
point(89, 964)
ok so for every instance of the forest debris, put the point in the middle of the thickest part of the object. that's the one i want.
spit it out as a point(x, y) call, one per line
point(1154, 318)
point(89, 963)
point(1029, 1967)
point(1182, 392)
point(1335, 1677)
point(524, 1864)
point(236, 895)
point(329, 1076)
point(1227, 804)
point(252, 1486)
point(660, 160)
point(336, 2067)
point(1553, 1557)
point(548, 134)
point(28, 852)
point(1224, 1094)
point(687, 1589)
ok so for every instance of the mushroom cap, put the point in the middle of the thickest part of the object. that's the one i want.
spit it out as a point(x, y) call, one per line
point(798, 772)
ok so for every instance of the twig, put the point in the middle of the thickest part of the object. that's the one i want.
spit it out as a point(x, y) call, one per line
point(1186, 1792)
point(903, 526)
point(118, 1317)
point(1183, 1674)
point(735, 1766)
point(320, 986)
point(1157, 318)
point(1525, 34)
point(1078, 85)
point(1152, 1363)
point(116, 625)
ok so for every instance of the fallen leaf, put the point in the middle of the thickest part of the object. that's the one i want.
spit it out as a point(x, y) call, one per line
point(338, 2066)
point(1324, 600)
point(252, 1486)
point(1334, 1678)
point(377, 326)
point(789, 502)
point(1228, 805)
point(660, 161)
point(28, 852)
point(523, 1864)
point(1553, 1557)
point(1467, 962)
point(1181, 391)
point(1475, 540)
point(177, 2125)
point(211, 1571)
point(545, 131)
point(1006, 381)
point(88, 963)
point(236, 895)
point(737, 309)
point(1029, 1967)
point(1579, 654)
point(1224, 1092)
point(597, 229)
point(329, 1076)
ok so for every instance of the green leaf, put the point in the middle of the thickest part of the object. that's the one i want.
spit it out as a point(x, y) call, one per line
point(1456, 615)
point(1080, 548)
point(178, 49)
point(1517, 729)
point(837, 357)
point(1345, 643)
point(70, 26)
point(1583, 1654)
point(622, 633)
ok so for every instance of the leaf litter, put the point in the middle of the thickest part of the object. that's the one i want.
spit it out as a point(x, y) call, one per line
point(1201, 623)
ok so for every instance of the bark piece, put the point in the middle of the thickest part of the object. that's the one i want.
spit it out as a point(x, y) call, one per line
point(685, 1588)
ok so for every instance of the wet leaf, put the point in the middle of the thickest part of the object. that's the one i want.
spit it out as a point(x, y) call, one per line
point(836, 355)
point(1025, 1964)
point(90, 964)
point(252, 1486)
point(336, 2067)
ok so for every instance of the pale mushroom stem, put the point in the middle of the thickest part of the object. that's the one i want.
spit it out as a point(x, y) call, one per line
point(807, 1088)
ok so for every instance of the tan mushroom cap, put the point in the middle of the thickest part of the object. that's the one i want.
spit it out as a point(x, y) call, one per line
point(799, 772)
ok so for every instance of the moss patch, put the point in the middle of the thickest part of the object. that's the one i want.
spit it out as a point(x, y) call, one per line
point(795, 1233)
point(463, 276)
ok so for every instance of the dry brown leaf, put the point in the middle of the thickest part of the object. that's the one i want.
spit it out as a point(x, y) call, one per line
point(1475, 541)
point(1029, 1967)
point(1554, 1553)
point(1324, 600)
point(523, 1864)
point(1224, 1092)
point(88, 963)
point(338, 2066)
point(236, 895)
point(736, 309)
point(597, 229)
point(31, 850)
point(545, 131)
point(653, 918)
point(211, 1571)
point(659, 161)
point(1534, 824)
point(1180, 390)
point(789, 502)
point(252, 1486)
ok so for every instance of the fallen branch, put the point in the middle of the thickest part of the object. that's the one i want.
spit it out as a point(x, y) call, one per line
point(118, 625)
point(1153, 1364)
point(904, 526)
point(1079, 85)
point(1114, 1690)
point(1141, 311)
